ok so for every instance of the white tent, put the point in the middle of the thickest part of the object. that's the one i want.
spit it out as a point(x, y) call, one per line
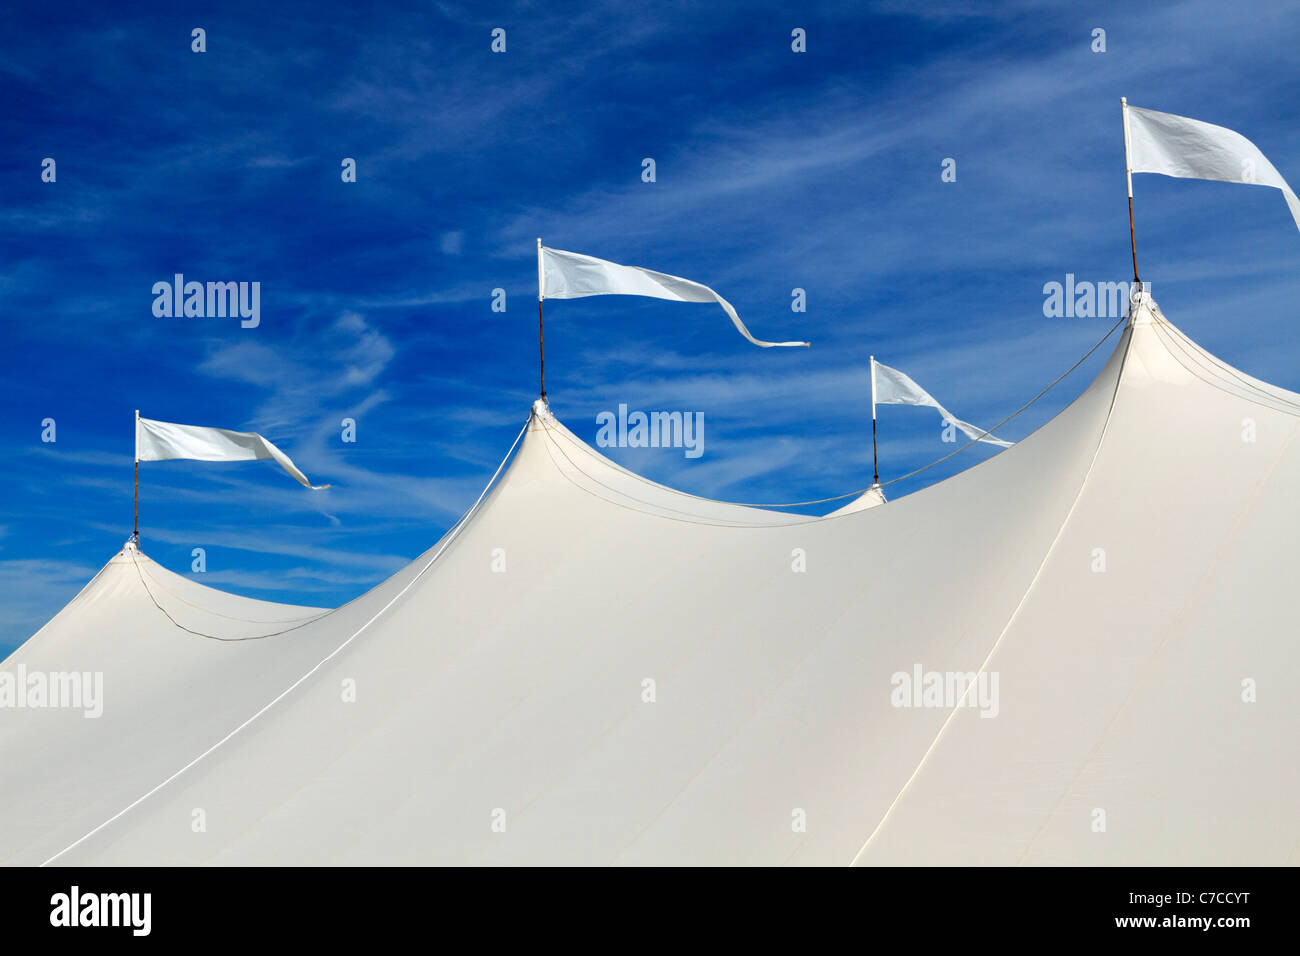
point(596, 669)
point(871, 498)
point(176, 660)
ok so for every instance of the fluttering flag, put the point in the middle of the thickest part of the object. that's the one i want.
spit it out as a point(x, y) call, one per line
point(161, 441)
point(1189, 149)
point(889, 386)
point(571, 275)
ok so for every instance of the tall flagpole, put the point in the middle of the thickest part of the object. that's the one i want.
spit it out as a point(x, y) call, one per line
point(1128, 172)
point(541, 347)
point(875, 463)
point(135, 530)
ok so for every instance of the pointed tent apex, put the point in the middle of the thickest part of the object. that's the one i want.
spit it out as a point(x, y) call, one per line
point(542, 412)
point(1142, 307)
point(873, 497)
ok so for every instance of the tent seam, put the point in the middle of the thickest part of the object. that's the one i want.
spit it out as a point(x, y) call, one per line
point(1083, 484)
point(1168, 637)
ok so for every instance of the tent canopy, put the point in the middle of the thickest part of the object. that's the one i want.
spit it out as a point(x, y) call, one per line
point(597, 669)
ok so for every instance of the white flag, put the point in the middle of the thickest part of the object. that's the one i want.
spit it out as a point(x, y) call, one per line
point(571, 275)
point(1177, 146)
point(161, 441)
point(889, 386)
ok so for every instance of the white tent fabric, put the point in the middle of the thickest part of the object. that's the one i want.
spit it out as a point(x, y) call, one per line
point(182, 665)
point(870, 498)
point(165, 690)
point(599, 670)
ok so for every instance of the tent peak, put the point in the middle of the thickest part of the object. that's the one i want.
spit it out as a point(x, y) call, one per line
point(542, 413)
point(871, 498)
point(1143, 309)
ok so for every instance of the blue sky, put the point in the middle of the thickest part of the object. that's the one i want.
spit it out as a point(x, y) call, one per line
point(775, 170)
